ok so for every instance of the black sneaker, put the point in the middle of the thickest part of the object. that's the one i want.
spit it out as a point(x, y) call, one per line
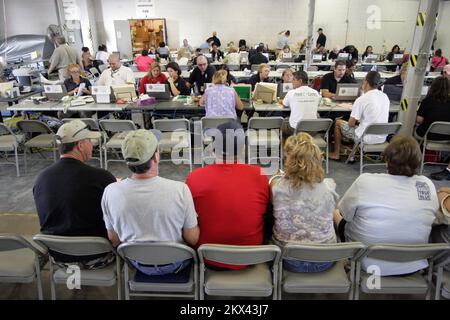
point(441, 175)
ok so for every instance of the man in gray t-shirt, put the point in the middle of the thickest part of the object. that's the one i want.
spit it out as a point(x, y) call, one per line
point(62, 57)
point(146, 207)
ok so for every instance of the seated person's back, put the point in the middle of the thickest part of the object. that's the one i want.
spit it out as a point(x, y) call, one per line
point(398, 207)
point(68, 193)
point(146, 207)
point(230, 199)
point(219, 99)
point(435, 107)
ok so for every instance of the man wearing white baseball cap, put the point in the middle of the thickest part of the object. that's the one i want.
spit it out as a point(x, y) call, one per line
point(146, 207)
point(68, 193)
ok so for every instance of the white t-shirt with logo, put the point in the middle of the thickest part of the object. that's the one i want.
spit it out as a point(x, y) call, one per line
point(303, 102)
point(371, 107)
point(384, 208)
point(121, 76)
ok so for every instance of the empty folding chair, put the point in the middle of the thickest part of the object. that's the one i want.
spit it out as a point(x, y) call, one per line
point(333, 280)
point(374, 129)
point(258, 279)
point(97, 143)
point(417, 283)
point(443, 278)
point(317, 126)
point(21, 261)
point(80, 246)
point(438, 127)
point(44, 139)
point(264, 134)
point(182, 284)
point(119, 129)
point(207, 139)
point(176, 138)
point(10, 142)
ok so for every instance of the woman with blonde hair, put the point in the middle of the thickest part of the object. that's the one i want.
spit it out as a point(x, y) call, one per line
point(76, 78)
point(303, 201)
point(220, 100)
point(153, 76)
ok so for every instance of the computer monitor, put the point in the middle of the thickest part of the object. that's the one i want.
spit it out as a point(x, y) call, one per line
point(283, 89)
point(153, 56)
point(347, 91)
point(266, 55)
point(24, 80)
point(208, 55)
point(243, 57)
point(158, 91)
point(343, 56)
point(265, 91)
point(244, 91)
point(125, 92)
point(55, 92)
point(287, 55)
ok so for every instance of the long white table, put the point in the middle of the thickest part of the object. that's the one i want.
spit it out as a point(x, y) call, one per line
point(335, 107)
point(59, 106)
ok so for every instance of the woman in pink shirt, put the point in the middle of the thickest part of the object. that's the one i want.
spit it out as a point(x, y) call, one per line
point(438, 61)
point(144, 61)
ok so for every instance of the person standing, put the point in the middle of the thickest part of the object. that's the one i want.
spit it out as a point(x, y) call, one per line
point(62, 57)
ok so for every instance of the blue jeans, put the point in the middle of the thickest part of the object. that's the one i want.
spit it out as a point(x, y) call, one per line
point(161, 269)
point(304, 266)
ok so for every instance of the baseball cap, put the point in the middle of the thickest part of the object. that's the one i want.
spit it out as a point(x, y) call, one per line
point(73, 131)
point(139, 146)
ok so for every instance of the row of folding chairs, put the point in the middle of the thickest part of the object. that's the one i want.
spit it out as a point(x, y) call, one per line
point(263, 133)
point(265, 275)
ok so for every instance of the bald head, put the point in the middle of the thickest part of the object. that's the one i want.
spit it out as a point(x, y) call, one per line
point(202, 63)
point(114, 62)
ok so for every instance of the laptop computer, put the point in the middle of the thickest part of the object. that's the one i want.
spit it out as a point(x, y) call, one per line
point(158, 91)
point(244, 91)
point(55, 92)
point(291, 59)
point(343, 56)
point(316, 58)
point(347, 91)
point(283, 89)
point(371, 58)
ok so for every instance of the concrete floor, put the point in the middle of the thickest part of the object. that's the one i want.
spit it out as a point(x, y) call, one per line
point(18, 215)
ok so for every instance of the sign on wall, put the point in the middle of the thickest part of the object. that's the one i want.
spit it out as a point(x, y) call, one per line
point(145, 9)
point(71, 11)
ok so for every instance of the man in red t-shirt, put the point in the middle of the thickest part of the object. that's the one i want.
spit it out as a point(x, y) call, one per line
point(230, 198)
